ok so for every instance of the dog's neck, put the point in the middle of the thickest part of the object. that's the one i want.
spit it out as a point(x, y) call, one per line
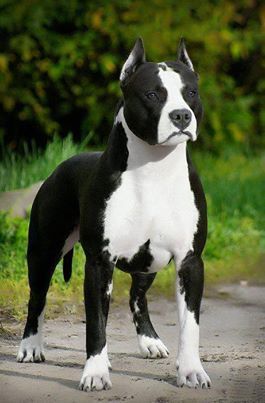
point(151, 158)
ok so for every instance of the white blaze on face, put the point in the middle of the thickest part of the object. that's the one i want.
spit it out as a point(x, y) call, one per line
point(171, 81)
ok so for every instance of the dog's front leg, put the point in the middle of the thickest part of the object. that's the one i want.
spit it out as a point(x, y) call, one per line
point(189, 293)
point(149, 342)
point(97, 289)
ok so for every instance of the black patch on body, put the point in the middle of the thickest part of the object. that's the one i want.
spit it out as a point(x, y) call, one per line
point(140, 262)
point(200, 202)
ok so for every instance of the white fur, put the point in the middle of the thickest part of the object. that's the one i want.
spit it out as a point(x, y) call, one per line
point(151, 347)
point(190, 371)
point(188, 60)
point(136, 307)
point(31, 348)
point(109, 289)
point(154, 201)
point(173, 84)
point(96, 372)
point(71, 241)
point(127, 65)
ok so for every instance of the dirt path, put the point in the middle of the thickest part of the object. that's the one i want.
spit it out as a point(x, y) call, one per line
point(232, 348)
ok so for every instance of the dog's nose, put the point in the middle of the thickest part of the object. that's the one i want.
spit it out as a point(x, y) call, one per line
point(181, 118)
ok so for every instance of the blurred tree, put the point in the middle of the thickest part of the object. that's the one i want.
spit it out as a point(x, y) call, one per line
point(60, 63)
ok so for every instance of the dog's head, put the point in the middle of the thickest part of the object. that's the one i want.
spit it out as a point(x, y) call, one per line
point(161, 100)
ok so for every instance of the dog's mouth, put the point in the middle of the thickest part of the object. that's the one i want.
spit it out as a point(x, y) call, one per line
point(179, 133)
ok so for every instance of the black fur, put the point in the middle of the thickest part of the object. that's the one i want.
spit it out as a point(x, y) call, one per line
point(140, 285)
point(67, 265)
point(191, 273)
point(140, 262)
point(191, 277)
point(98, 274)
point(200, 201)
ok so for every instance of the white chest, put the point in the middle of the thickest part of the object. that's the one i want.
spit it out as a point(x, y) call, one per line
point(154, 203)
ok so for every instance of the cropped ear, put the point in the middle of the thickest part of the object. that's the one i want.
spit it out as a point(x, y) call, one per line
point(136, 57)
point(183, 55)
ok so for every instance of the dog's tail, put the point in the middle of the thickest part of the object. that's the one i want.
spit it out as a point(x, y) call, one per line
point(67, 265)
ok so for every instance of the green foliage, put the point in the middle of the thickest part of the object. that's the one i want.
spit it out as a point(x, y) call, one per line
point(12, 245)
point(60, 62)
point(234, 184)
point(235, 248)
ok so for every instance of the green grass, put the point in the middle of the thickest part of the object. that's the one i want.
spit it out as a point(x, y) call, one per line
point(235, 250)
point(19, 172)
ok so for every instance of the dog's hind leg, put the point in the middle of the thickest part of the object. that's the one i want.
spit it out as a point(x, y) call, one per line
point(44, 252)
point(149, 342)
point(40, 272)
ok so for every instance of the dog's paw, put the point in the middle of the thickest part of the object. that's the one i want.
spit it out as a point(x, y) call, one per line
point(96, 373)
point(96, 382)
point(31, 350)
point(151, 347)
point(190, 372)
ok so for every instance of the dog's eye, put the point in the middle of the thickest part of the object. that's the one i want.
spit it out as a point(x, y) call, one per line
point(192, 93)
point(152, 96)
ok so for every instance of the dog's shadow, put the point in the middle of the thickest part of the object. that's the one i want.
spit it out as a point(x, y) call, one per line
point(72, 384)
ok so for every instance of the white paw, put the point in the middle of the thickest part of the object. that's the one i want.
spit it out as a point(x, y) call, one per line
point(151, 347)
point(96, 372)
point(190, 372)
point(31, 349)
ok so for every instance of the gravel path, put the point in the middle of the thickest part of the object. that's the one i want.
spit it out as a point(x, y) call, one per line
point(232, 348)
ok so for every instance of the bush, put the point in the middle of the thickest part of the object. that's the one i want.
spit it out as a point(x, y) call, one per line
point(60, 62)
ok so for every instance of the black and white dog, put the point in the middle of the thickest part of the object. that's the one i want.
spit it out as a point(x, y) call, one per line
point(136, 206)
